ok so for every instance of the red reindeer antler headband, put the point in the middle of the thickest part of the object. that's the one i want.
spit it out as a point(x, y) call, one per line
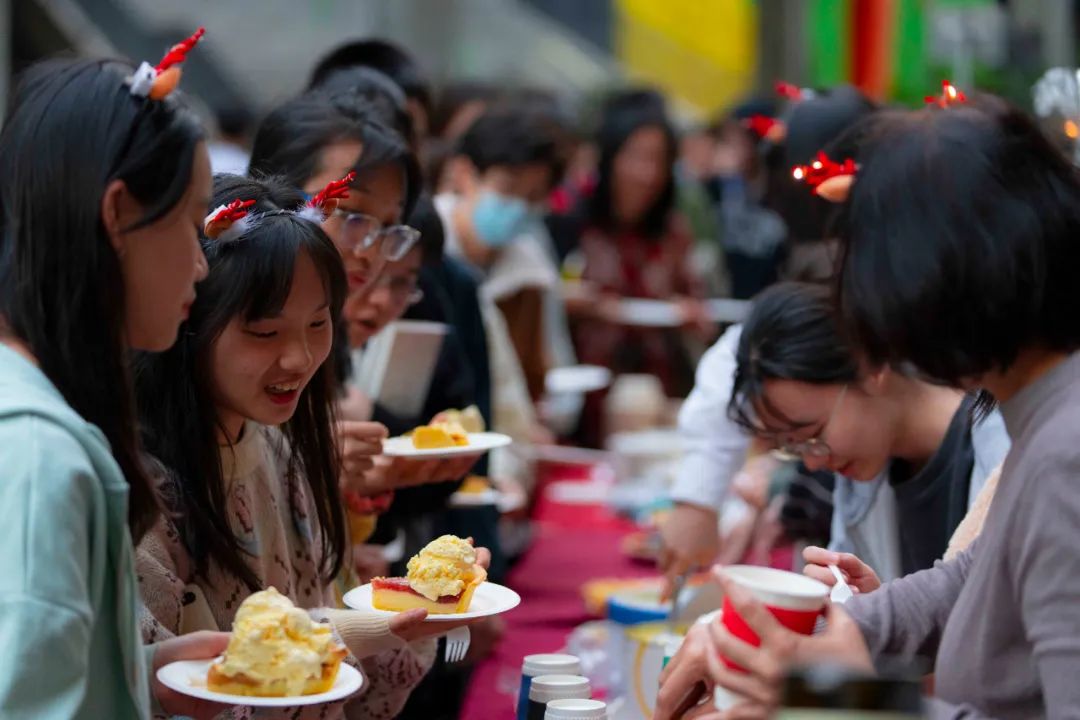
point(328, 197)
point(325, 201)
point(766, 128)
point(222, 224)
point(950, 95)
point(157, 81)
point(829, 179)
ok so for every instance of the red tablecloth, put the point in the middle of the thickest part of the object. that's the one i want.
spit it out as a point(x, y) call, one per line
point(573, 544)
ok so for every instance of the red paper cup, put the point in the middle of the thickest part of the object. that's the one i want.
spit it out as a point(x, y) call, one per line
point(796, 601)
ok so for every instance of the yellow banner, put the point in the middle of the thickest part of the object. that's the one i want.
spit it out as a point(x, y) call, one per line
point(701, 51)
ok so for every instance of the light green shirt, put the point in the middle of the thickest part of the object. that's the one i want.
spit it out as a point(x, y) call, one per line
point(68, 626)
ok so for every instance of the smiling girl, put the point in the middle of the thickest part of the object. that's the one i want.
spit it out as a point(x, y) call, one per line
point(240, 417)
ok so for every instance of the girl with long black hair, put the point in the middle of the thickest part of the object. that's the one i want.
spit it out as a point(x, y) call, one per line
point(240, 417)
point(103, 190)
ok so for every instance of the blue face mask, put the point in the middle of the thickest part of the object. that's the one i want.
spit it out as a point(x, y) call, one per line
point(498, 219)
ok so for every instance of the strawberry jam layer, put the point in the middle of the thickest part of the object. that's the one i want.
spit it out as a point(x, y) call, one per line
point(400, 584)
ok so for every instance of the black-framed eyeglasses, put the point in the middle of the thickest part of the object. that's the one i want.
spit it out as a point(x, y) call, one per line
point(403, 290)
point(814, 447)
point(360, 231)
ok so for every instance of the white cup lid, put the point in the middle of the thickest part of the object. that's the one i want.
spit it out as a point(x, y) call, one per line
point(576, 710)
point(779, 588)
point(550, 664)
point(545, 688)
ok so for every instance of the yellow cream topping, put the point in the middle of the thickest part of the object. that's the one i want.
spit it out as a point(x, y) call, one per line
point(444, 567)
point(274, 640)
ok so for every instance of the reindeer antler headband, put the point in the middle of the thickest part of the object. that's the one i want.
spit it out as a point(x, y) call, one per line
point(158, 81)
point(230, 222)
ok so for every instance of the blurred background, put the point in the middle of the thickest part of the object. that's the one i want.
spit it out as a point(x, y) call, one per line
point(705, 54)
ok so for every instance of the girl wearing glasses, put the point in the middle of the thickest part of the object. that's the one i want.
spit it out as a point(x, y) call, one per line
point(909, 456)
point(315, 139)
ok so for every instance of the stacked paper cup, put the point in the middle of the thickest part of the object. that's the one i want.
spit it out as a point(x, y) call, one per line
point(546, 688)
point(576, 710)
point(543, 664)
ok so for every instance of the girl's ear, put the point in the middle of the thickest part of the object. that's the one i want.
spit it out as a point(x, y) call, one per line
point(875, 380)
point(119, 210)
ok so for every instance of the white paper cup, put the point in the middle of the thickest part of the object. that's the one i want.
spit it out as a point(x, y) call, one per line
point(576, 710)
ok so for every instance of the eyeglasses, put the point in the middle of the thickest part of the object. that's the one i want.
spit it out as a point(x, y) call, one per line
point(403, 290)
point(815, 447)
point(361, 232)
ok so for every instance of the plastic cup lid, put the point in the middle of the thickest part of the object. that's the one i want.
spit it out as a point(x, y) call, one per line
point(576, 710)
point(545, 688)
point(550, 664)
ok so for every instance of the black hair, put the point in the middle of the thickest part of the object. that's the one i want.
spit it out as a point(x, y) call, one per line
point(382, 55)
point(250, 277)
point(291, 138)
point(960, 241)
point(425, 218)
point(622, 115)
point(813, 125)
point(791, 333)
point(513, 136)
point(386, 99)
point(454, 97)
point(73, 128)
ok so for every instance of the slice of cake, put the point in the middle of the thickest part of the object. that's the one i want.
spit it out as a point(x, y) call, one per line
point(441, 579)
point(276, 650)
point(439, 435)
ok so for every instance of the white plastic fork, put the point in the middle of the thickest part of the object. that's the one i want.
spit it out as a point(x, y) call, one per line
point(457, 644)
point(841, 591)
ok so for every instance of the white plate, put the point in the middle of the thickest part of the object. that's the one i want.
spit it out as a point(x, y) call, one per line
point(644, 312)
point(489, 599)
point(479, 443)
point(189, 677)
point(576, 379)
point(480, 499)
point(506, 502)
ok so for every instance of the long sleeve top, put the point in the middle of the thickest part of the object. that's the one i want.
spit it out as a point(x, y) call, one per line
point(1002, 619)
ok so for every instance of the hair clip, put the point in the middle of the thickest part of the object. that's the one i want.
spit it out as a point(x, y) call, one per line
point(325, 201)
point(766, 128)
point(830, 180)
point(792, 92)
point(949, 96)
point(158, 81)
point(228, 222)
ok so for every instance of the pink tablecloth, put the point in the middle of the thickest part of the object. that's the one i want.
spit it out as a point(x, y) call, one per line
point(573, 544)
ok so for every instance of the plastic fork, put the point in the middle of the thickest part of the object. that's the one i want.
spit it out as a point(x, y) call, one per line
point(457, 644)
point(841, 591)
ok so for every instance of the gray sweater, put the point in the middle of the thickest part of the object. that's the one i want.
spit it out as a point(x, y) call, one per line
point(1002, 620)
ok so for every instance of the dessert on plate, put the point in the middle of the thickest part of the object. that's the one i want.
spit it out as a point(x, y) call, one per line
point(441, 579)
point(475, 485)
point(276, 650)
point(439, 435)
point(450, 428)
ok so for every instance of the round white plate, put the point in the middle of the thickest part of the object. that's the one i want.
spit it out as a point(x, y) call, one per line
point(189, 677)
point(576, 379)
point(480, 499)
point(489, 599)
point(479, 443)
point(644, 312)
